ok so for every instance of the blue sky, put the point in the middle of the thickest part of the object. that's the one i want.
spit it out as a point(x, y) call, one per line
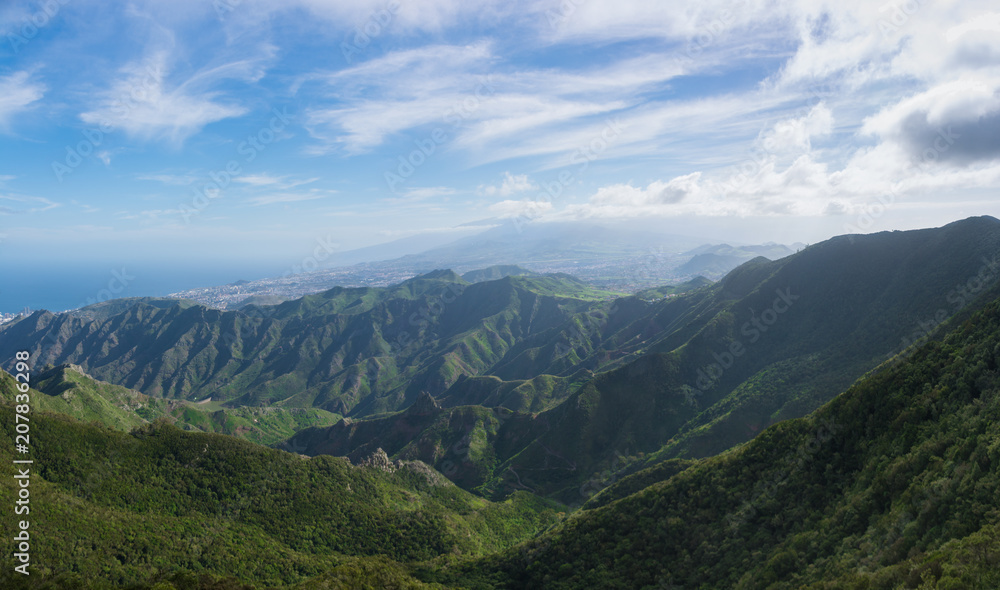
point(209, 132)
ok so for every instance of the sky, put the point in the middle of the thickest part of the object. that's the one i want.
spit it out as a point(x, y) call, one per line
point(245, 134)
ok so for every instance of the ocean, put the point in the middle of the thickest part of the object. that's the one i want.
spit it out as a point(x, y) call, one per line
point(62, 286)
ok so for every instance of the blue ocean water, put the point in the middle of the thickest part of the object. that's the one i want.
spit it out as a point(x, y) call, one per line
point(62, 286)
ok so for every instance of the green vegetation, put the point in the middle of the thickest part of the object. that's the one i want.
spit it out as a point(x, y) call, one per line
point(348, 351)
point(497, 271)
point(536, 395)
point(890, 485)
point(123, 508)
point(72, 392)
point(893, 484)
point(609, 386)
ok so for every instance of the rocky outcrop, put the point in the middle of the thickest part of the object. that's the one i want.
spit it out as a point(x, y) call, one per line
point(380, 460)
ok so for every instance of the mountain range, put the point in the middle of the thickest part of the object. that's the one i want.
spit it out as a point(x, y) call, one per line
point(606, 256)
point(824, 420)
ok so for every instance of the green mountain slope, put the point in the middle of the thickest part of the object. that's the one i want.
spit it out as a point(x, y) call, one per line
point(115, 508)
point(894, 484)
point(465, 443)
point(346, 350)
point(70, 391)
point(495, 272)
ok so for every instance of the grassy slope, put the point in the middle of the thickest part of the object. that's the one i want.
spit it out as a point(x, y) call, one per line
point(72, 392)
point(127, 508)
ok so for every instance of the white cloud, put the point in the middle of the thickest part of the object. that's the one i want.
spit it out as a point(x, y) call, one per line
point(476, 105)
point(20, 204)
point(17, 93)
point(258, 179)
point(795, 135)
point(145, 103)
point(657, 193)
point(276, 198)
point(86, 208)
point(274, 182)
point(401, 16)
point(428, 192)
point(170, 179)
point(512, 184)
point(148, 215)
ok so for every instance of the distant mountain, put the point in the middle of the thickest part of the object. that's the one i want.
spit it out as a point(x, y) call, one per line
point(401, 247)
point(543, 244)
point(714, 261)
point(615, 257)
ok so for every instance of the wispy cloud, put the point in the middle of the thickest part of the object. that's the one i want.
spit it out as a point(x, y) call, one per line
point(284, 198)
point(171, 179)
point(273, 182)
point(22, 204)
point(460, 89)
point(148, 104)
point(427, 192)
point(17, 94)
point(512, 184)
point(85, 207)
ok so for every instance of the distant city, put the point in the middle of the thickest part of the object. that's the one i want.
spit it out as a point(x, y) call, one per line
point(9, 317)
